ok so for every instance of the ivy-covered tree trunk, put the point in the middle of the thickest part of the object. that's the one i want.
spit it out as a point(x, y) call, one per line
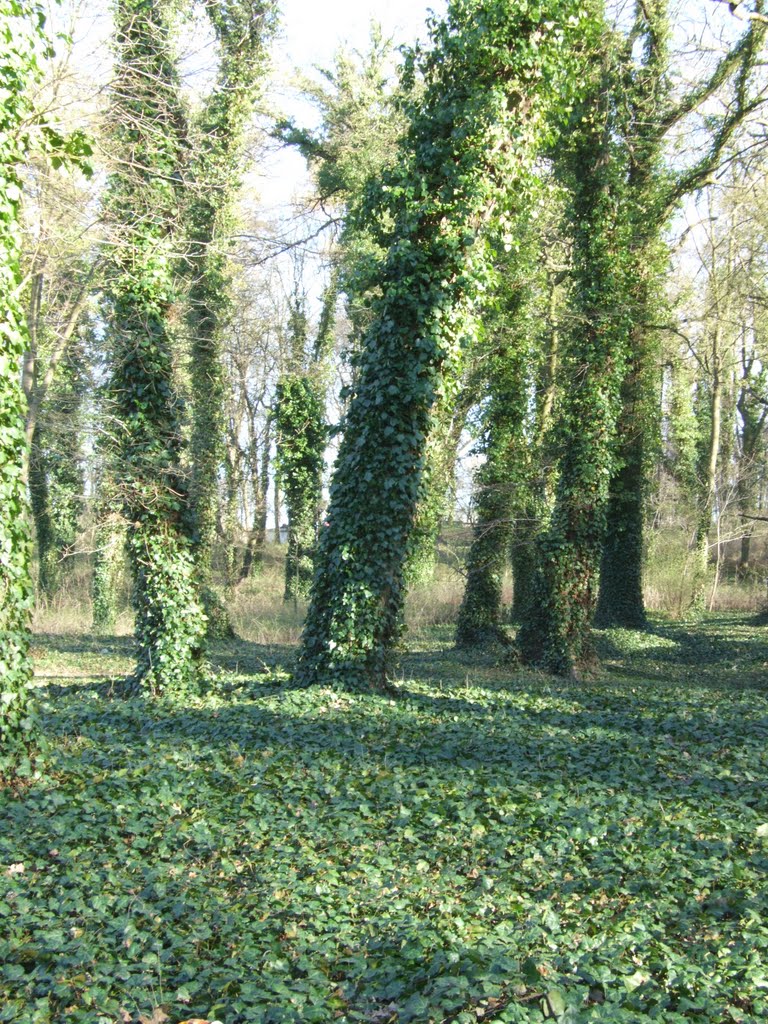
point(620, 600)
point(479, 619)
point(207, 295)
point(535, 501)
point(37, 481)
point(645, 94)
point(148, 131)
point(108, 566)
point(241, 28)
point(301, 439)
point(650, 197)
point(19, 42)
point(557, 633)
point(522, 557)
point(430, 281)
point(439, 492)
point(501, 480)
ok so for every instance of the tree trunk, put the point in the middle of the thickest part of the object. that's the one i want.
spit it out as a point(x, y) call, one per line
point(436, 504)
point(701, 572)
point(557, 633)
point(108, 568)
point(620, 599)
point(142, 210)
point(431, 279)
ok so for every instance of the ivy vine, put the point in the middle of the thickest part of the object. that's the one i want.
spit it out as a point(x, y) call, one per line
point(145, 191)
point(479, 121)
point(22, 42)
point(242, 29)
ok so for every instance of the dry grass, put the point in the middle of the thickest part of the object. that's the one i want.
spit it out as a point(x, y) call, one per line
point(259, 613)
point(257, 609)
point(669, 579)
point(70, 610)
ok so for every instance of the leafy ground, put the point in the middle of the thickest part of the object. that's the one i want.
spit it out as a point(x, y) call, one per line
point(488, 846)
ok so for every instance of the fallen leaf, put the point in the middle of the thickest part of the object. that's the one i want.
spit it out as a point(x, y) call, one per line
point(158, 1016)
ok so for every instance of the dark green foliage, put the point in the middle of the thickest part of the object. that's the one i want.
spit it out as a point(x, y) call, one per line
point(502, 481)
point(486, 56)
point(217, 169)
point(302, 435)
point(487, 845)
point(556, 634)
point(148, 131)
point(21, 36)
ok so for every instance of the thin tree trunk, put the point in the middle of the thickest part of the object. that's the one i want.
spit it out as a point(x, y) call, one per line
point(709, 491)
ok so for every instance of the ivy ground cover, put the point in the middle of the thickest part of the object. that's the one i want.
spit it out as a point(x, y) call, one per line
point(487, 845)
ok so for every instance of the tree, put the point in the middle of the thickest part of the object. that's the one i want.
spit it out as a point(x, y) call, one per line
point(21, 38)
point(149, 131)
point(556, 634)
point(22, 45)
point(302, 436)
point(56, 469)
point(507, 359)
point(514, 371)
point(241, 29)
point(653, 115)
point(491, 71)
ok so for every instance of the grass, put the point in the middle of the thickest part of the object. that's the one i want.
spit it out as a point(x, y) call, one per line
point(491, 845)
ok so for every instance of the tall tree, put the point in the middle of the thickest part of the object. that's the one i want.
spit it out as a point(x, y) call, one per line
point(556, 634)
point(302, 436)
point(506, 369)
point(149, 131)
point(56, 470)
point(21, 40)
point(468, 149)
point(23, 45)
point(652, 116)
point(514, 370)
point(242, 28)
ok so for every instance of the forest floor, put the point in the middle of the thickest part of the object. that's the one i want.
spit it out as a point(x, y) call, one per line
point(490, 845)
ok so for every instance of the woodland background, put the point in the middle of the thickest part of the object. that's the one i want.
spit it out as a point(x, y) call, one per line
point(406, 551)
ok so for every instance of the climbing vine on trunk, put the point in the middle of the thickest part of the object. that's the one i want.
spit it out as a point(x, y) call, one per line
point(464, 163)
point(502, 481)
point(20, 41)
point(148, 131)
point(557, 633)
point(241, 29)
point(301, 439)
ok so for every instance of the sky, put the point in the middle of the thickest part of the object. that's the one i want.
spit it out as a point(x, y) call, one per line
point(310, 33)
point(312, 30)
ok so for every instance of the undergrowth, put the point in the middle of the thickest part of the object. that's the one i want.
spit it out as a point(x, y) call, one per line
point(486, 846)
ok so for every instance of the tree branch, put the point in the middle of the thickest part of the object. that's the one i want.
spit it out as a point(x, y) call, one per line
point(737, 8)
